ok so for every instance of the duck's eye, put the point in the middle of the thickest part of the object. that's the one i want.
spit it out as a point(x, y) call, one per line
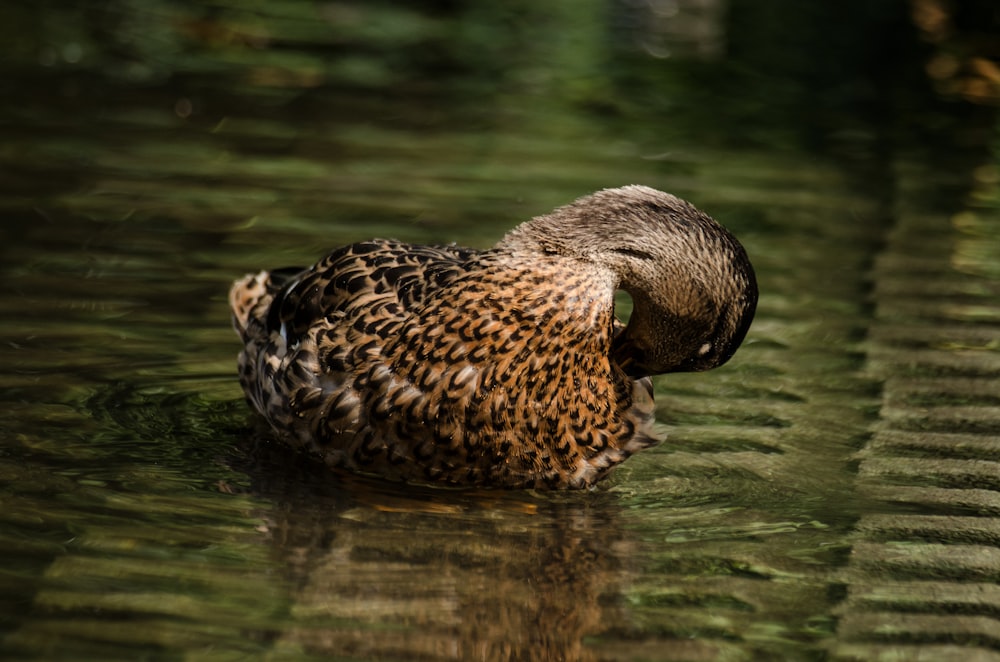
point(633, 252)
point(705, 349)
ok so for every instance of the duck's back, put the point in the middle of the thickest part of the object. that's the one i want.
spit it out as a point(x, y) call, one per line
point(442, 364)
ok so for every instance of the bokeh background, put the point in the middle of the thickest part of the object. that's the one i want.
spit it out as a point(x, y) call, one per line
point(831, 493)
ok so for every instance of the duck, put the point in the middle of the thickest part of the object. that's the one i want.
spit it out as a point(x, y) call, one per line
point(497, 368)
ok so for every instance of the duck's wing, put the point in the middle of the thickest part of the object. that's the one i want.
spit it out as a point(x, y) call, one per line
point(306, 331)
point(293, 300)
point(361, 277)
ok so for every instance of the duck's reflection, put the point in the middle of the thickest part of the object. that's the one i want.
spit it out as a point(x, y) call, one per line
point(379, 571)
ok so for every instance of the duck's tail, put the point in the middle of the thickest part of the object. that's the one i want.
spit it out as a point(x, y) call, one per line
point(254, 292)
point(245, 295)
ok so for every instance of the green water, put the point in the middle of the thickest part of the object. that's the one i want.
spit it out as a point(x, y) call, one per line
point(150, 153)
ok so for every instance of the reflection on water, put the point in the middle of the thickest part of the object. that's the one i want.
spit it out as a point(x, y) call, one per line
point(498, 576)
point(383, 572)
point(831, 492)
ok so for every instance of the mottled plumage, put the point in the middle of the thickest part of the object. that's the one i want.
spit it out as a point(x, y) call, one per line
point(504, 367)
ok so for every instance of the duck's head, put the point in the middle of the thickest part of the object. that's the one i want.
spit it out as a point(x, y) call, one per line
point(693, 289)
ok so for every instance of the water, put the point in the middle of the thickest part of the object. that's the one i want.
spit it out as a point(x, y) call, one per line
point(831, 493)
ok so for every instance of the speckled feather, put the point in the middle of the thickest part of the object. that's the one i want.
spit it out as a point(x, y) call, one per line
point(441, 364)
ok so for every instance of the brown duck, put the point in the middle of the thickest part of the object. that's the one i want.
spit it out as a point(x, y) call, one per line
point(496, 368)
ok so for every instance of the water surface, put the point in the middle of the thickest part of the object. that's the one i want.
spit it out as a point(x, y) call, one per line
point(829, 493)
